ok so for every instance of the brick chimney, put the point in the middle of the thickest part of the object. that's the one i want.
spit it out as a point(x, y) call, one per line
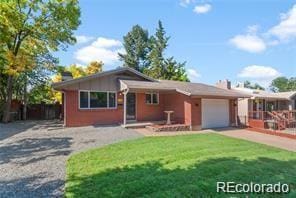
point(224, 84)
point(66, 76)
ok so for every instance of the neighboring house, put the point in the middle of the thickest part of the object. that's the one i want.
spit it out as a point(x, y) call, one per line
point(265, 101)
point(125, 95)
point(266, 110)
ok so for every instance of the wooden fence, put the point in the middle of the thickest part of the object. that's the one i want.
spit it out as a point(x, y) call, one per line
point(44, 111)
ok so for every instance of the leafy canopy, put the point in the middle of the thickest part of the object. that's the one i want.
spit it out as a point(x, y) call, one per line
point(282, 84)
point(29, 31)
point(30, 28)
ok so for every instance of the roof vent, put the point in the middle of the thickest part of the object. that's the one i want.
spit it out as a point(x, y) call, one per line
point(66, 76)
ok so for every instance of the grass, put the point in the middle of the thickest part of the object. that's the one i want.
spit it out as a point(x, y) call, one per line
point(176, 166)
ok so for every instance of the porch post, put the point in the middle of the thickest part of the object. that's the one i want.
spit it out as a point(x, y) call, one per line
point(124, 106)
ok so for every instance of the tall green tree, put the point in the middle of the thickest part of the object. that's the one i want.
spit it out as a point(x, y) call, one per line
point(282, 83)
point(174, 70)
point(161, 67)
point(30, 28)
point(136, 45)
point(147, 55)
point(158, 44)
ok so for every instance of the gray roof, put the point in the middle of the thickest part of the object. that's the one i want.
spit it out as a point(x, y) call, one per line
point(288, 94)
point(191, 89)
point(101, 74)
point(187, 88)
point(260, 94)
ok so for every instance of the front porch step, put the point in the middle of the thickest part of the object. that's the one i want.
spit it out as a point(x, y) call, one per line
point(172, 127)
point(135, 124)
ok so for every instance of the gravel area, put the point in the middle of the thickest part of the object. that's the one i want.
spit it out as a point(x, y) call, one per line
point(33, 154)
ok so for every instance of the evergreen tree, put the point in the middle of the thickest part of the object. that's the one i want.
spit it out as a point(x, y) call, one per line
point(174, 70)
point(136, 45)
point(147, 55)
point(158, 44)
point(161, 67)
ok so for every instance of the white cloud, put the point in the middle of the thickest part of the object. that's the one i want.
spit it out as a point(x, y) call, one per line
point(102, 42)
point(249, 42)
point(202, 9)
point(286, 29)
point(185, 3)
point(193, 74)
point(253, 29)
point(103, 49)
point(259, 72)
point(263, 75)
point(83, 39)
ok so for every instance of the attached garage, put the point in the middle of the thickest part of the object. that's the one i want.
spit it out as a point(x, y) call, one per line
point(215, 113)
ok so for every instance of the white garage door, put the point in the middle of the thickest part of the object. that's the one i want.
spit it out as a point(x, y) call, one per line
point(215, 113)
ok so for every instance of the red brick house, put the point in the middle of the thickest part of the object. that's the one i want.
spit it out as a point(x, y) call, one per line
point(124, 95)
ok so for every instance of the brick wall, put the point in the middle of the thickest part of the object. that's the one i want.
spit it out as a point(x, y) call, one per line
point(84, 117)
point(175, 102)
point(196, 113)
point(149, 112)
point(233, 111)
point(186, 110)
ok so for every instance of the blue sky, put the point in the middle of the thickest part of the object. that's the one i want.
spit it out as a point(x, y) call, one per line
point(222, 39)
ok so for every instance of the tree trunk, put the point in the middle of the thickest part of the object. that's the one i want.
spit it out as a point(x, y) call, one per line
point(6, 112)
point(25, 100)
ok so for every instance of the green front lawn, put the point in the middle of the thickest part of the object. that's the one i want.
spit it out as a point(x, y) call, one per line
point(175, 166)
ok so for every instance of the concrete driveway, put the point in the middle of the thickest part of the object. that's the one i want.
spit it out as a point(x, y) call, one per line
point(271, 140)
point(33, 154)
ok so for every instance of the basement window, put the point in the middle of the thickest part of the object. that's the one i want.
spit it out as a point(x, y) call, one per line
point(152, 98)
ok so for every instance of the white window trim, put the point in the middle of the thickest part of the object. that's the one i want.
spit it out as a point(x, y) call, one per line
point(88, 93)
point(151, 98)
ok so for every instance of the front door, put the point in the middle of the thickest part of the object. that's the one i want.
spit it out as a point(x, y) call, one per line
point(131, 106)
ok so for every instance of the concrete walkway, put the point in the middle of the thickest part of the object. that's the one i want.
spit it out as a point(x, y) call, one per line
point(271, 140)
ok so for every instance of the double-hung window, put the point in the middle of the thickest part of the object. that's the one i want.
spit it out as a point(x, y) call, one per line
point(152, 98)
point(97, 99)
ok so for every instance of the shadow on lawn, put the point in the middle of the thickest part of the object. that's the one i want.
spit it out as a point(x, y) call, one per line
point(154, 179)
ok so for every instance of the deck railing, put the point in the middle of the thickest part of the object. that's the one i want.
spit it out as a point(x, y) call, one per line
point(268, 115)
point(280, 123)
point(259, 115)
point(276, 120)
